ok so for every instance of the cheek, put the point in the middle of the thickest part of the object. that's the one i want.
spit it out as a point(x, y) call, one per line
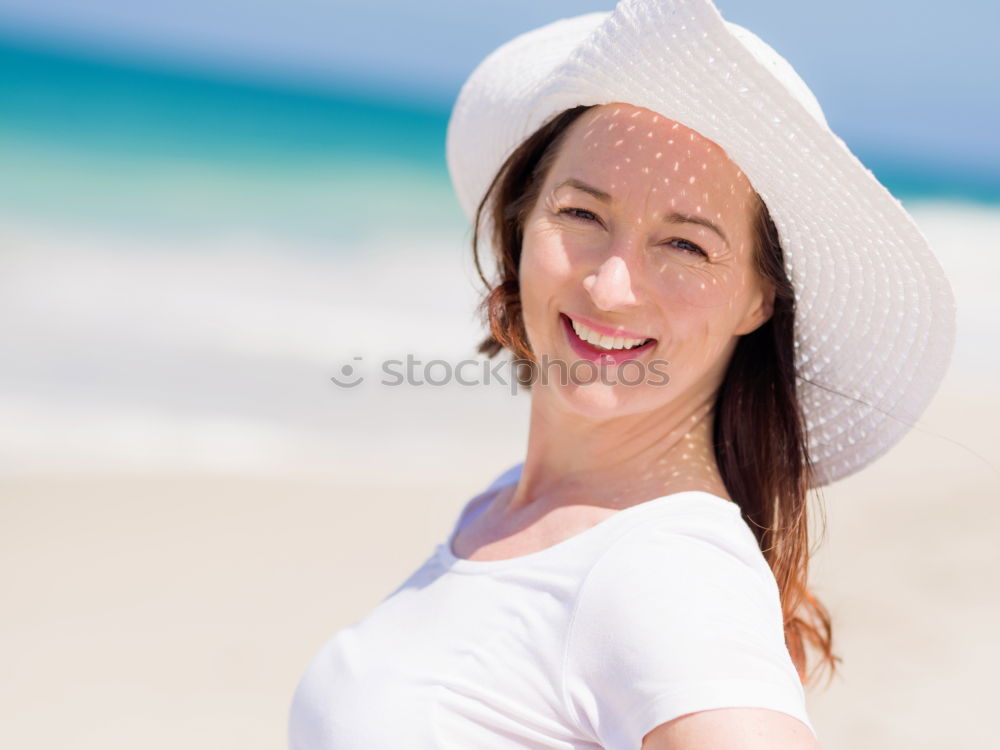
point(700, 306)
point(544, 259)
point(545, 266)
point(697, 341)
point(703, 285)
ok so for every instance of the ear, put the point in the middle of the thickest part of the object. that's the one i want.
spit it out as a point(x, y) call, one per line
point(760, 310)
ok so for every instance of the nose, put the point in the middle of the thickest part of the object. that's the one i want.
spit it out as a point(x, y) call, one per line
point(610, 286)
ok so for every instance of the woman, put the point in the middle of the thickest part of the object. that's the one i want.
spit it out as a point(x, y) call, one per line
point(718, 307)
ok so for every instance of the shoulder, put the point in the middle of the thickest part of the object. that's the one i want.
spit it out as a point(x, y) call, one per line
point(685, 570)
point(477, 502)
point(506, 477)
point(680, 614)
point(699, 550)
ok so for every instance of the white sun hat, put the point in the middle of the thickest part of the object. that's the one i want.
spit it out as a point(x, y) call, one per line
point(875, 314)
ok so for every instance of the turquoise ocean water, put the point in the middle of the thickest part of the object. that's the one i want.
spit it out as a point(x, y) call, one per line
point(86, 140)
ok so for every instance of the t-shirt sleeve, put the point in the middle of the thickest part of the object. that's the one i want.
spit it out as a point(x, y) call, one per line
point(675, 618)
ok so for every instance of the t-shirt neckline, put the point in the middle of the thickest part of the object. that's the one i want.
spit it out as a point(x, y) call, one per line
point(676, 500)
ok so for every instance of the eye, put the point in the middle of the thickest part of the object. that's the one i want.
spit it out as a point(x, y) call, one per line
point(578, 213)
point(689, 247)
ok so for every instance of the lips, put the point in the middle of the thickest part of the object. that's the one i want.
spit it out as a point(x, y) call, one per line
point(618, 346)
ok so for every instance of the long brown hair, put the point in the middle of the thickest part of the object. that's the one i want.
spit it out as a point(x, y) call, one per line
point(759, 432)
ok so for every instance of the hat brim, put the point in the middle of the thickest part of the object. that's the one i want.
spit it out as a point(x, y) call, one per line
point(875, 314)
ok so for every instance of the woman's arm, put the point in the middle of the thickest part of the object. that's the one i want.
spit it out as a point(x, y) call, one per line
point(732, 729)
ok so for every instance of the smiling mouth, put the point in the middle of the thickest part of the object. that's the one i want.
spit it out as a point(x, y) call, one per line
point(608, 343)
point(599, 343)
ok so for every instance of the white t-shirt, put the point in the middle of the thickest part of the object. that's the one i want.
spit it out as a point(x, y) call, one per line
point(662, 609)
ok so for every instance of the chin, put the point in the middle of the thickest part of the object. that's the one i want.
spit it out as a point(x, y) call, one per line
point(599, 401)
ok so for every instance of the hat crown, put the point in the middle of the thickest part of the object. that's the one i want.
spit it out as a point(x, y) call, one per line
point(780, 68)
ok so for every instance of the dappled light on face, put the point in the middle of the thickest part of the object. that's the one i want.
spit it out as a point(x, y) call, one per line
point(643, 223)
point(682, 175)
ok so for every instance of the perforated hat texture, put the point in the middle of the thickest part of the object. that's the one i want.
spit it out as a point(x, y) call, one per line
point(875, 313)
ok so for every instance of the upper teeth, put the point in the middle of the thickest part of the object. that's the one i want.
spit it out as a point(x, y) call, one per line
point(605, 342)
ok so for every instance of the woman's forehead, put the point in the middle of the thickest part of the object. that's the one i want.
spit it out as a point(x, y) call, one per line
point(633, 147)
point(626, 131)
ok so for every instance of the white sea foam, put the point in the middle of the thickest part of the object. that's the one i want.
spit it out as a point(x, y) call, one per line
point(138, 354)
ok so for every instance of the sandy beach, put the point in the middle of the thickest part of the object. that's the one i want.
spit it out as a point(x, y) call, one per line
point(189, 508)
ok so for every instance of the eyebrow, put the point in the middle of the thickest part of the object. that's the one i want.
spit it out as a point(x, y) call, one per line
point(674, 217)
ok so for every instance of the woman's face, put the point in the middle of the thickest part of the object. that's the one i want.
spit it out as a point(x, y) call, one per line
point(642, 231)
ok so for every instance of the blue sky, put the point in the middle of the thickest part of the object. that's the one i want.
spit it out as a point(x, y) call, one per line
point(893, 75)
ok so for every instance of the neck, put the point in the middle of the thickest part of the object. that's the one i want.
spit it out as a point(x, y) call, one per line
point(616, 462)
